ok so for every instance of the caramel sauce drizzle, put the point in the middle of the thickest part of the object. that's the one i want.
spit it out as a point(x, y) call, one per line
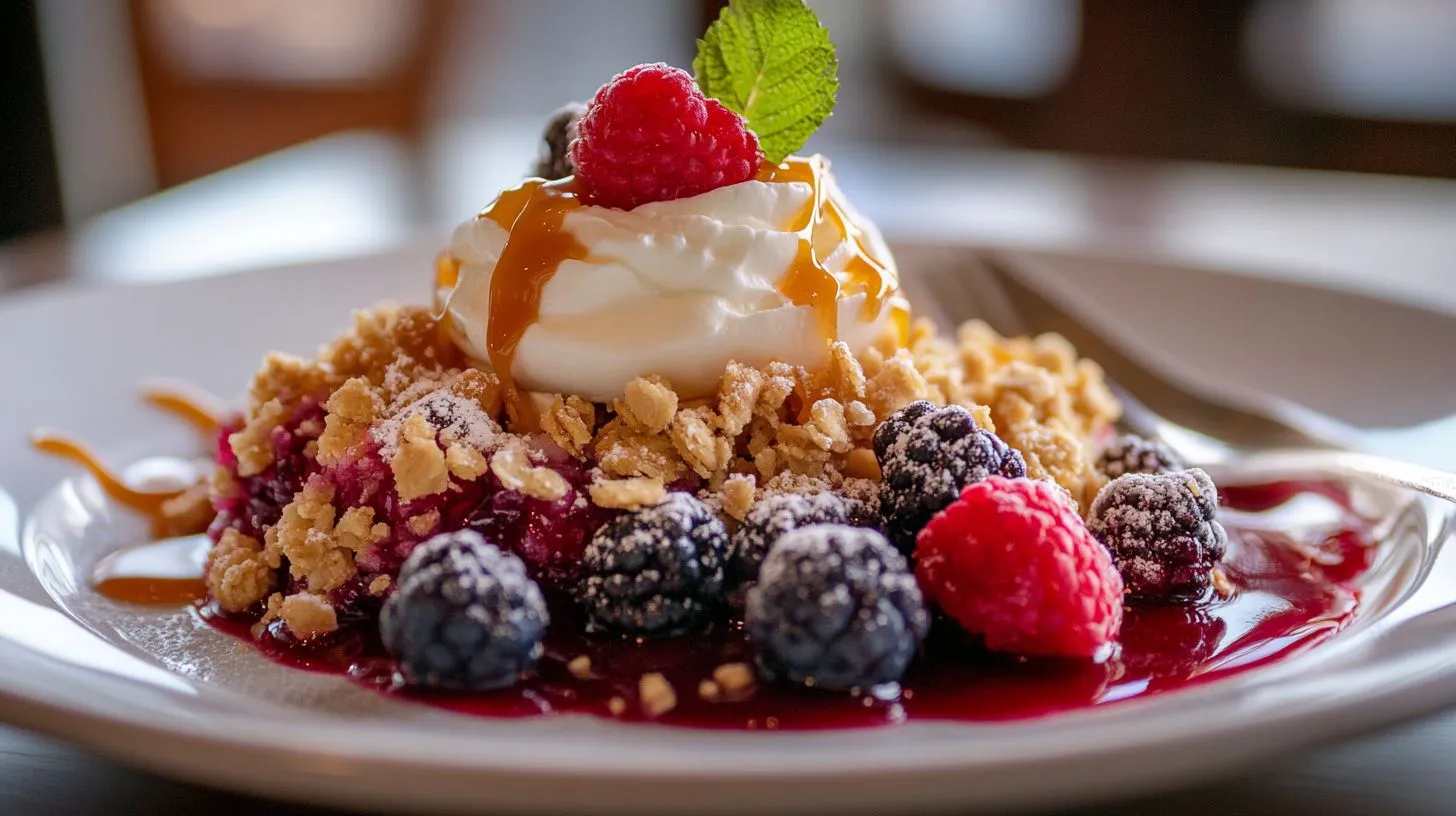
point(811, 283)
point(532, 214)
point(152, 591)
point(146, 502)
point(198, 409)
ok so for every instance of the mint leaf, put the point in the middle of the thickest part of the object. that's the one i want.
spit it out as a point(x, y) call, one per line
point(772, 62)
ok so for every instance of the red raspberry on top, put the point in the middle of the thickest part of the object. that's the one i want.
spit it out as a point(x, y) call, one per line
point(651, 135)
point(1011, 560)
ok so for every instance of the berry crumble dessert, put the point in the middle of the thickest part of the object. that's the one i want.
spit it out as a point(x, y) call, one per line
point(669, 444)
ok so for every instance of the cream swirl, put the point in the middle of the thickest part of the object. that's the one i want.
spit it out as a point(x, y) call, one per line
point(754, 272)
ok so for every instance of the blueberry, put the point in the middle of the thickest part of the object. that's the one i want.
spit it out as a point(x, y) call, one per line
point(657, 571)
point(464, 615)
point(835, 607)
point(927, 456)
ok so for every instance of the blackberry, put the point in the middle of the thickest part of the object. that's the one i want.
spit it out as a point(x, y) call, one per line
point(835, 607)
point(464, 615)
point(555, 162)
point(1162, 532)
point(658, 571)
point(1134, 454)
point(771, 518)
point(927, 456)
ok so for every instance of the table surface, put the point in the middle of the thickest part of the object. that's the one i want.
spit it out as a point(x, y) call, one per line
point(1391, 236)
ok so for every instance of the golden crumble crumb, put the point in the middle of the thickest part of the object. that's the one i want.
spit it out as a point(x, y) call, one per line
point(735, 681)
point(357, 531)
point(512, 465)
point(617, 706)
point(351, 409)
point(424, 523)
point(272, 610)
point(738, 392)
point(827, 416)
point(286, 378)
point(379, 585)
point(252, 444)
point(418, 464)
point(777, 386)
point(308, 615)
point(708, 690)
point(632, 493)
point(862, 464)
point(483, 387)
point(656, 694)
point(306, 536)
point(693, 437)
point(188, 512)
point(648, 404)
point(858, 414)
point(1222, 585)
point(237, 575)
point(845, 374)
point(570, 423)
point(738, 491)
point(464, 462)
point(580, 667)
point(622, 451)
point(897, 384)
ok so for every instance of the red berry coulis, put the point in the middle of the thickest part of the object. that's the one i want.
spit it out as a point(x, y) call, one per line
point(1294, 590)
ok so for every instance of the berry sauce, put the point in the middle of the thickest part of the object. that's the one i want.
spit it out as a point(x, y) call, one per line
point(1293, 590)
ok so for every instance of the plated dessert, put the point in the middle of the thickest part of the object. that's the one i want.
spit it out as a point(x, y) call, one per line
point(668, 443)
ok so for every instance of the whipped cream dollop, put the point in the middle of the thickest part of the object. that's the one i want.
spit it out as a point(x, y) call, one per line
point(681, 288)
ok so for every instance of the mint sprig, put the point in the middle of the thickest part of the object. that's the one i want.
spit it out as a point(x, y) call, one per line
point(770, 61)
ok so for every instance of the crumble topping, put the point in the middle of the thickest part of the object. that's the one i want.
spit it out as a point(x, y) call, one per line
point(648, 404)
point(351, 410)
point(570, 423)
point(464, 462)
point(656, 694)
point(580, 667)
point(238, 576)
point(512, 465)
point(737, 495)
point(188, 512)
point(632, 493)
point(418, 463)
point(734, 681)
point(395, 388)
point(379, 585)
point(308, 615)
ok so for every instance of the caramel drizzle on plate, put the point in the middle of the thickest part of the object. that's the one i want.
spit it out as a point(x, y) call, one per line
point(198, 409)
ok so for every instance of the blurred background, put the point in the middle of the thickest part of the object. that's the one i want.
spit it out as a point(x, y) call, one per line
point(155, 139)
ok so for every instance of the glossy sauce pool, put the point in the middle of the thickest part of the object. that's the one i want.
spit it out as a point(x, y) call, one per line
point(1294, 589)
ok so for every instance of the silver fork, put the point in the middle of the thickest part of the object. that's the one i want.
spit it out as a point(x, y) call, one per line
point(1264, 435)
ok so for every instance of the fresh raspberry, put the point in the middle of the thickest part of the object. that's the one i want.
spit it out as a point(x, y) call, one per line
point(1011, 560)
point(651, 135)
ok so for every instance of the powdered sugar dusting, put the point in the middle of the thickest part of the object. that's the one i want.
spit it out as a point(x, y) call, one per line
point(458, 419)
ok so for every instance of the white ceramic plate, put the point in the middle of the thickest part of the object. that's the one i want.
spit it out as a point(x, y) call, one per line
point(154, 690)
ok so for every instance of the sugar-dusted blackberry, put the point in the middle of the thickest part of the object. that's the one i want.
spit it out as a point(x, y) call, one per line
point(464, 615)
point(773, 516)
point(835, 607)
point(1162, 532)
point(1134, 454)
point(658, 571)
point(555, 162)
point(927, 456)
